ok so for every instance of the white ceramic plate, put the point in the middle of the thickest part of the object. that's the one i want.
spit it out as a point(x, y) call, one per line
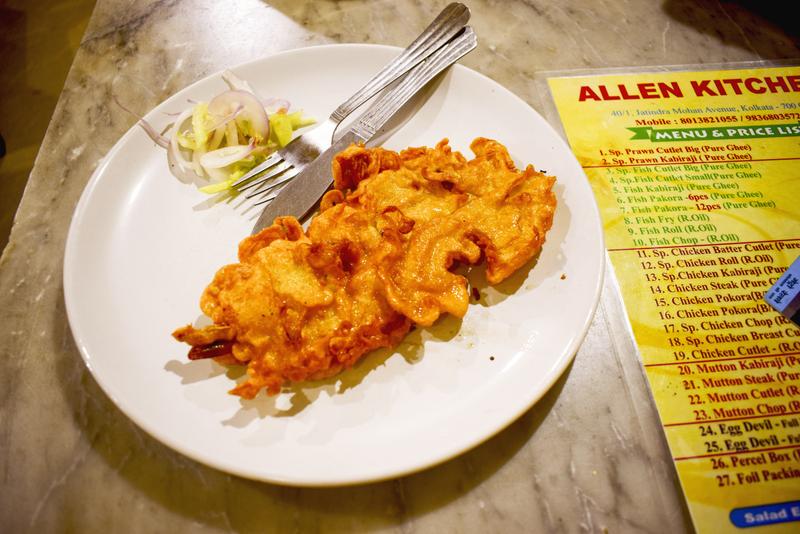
point(142, 246)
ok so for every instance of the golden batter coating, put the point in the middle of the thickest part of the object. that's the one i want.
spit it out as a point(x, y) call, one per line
point(375, 260)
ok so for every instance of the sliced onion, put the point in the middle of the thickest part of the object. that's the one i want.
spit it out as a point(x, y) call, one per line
point(241, 117)
point(198, 169)
point(216, 139)
point(151, 132)
point(252, 111)
point(217, 175)
point(222, 157)
point(174, 148)
point(236, 83)
point(227, 119)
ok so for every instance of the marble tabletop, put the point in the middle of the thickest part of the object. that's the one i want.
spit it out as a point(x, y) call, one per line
point(590, 456)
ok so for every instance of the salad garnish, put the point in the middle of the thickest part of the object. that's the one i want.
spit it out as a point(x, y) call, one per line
point(220, 140)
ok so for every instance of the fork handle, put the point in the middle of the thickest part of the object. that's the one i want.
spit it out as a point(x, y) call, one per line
point(446, 25)
point(381, 111)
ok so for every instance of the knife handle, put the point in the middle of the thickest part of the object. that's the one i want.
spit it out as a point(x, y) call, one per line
point(448, 23)
point(391, 102)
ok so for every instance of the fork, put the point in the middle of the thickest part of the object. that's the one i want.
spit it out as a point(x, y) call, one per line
point(284, 164)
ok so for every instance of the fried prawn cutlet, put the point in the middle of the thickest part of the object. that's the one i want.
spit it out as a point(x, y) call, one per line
point(377, 259)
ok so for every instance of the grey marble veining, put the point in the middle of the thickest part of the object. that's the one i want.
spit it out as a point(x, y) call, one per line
point(589, 457)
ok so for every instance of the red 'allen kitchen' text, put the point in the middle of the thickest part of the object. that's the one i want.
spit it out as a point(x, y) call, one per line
point(699, 88)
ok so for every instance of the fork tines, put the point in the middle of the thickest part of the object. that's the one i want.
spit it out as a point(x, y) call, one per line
point(279, 176)
point(271, 160)
point(264, 177)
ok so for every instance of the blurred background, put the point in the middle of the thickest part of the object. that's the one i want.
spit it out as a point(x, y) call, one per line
point(38, 41)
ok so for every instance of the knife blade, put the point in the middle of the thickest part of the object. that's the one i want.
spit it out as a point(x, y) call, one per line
point(302, 193)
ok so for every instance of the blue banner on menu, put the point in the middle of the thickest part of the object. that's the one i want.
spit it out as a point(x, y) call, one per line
point(766, 514)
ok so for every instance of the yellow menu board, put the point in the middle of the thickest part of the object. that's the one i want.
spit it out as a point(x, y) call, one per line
point(697, 176)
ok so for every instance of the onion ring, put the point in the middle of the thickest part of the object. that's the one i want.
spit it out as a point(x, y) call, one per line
point(222, 157)
point(252, 119)
point(174, 148)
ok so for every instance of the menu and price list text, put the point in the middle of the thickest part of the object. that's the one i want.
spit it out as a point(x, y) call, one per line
point(697, 176)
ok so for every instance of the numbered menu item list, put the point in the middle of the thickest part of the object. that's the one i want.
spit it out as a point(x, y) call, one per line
point(697, 177)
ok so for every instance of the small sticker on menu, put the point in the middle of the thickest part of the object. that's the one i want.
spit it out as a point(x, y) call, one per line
point(784, 296)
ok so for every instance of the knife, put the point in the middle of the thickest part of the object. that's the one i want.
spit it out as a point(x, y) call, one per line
point(304, 190)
